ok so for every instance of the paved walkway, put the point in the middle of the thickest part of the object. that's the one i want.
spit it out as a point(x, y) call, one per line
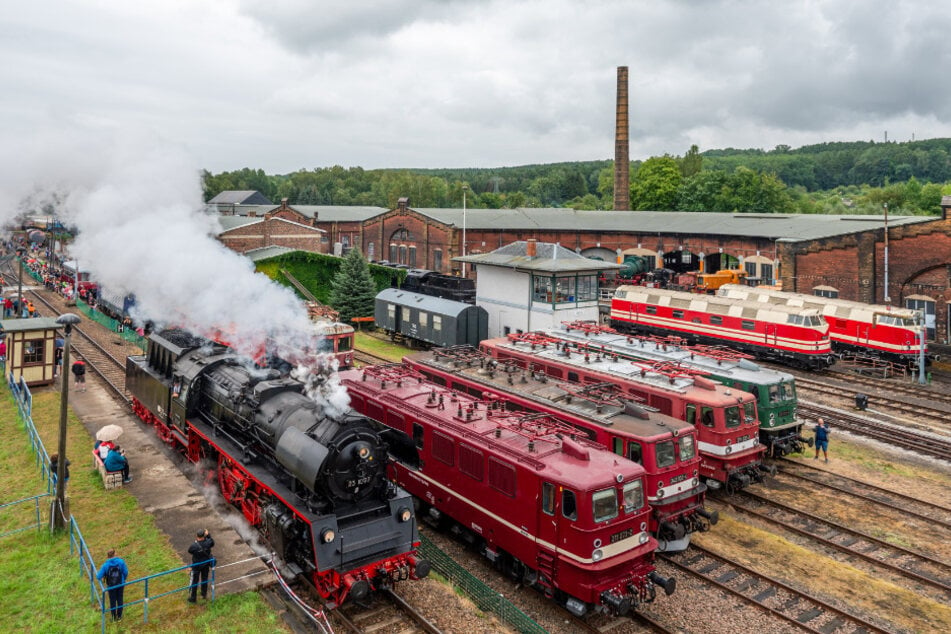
point(180, 507)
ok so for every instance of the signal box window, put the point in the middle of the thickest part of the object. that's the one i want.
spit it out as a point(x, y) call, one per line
point(418, 435)
point(502, 477)
point(548, 498)
point(604, 505)
point(470, 461)
point(33, 351)
point(569, 505)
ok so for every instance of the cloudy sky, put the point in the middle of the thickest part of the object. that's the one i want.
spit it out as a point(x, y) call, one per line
point(288, 84)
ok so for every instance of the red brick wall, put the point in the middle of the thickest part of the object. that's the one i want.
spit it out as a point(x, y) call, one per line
point(425, 234)
point(273, 232)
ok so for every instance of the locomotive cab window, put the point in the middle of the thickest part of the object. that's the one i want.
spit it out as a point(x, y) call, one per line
point(604, 505)
point(344, 344)
point(617, 445)
point(706, 416)
point(688, 448)
point(633, 496)
point(418, 435)
point(569, 505)
point(732, 417)
point(691, 416)
point(664, 454)
point(635, 453)
point(749, 411)
point(548, 498)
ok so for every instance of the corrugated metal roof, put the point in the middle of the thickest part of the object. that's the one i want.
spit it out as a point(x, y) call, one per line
point(423, 302)
point(233, 222)
point(790, 227)
point(240, 197)
point(325, 213)
point(263, 253)
point(550, 258)
point(29, 325)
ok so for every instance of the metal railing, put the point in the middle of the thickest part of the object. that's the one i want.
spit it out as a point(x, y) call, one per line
point(37, 521)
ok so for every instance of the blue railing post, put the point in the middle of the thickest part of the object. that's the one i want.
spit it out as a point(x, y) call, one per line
point(145, 603)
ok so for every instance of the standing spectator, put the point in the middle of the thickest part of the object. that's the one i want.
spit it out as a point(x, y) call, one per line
point(115, 460)
point(7, 307)
point(79, 372)
point(58, 344)
point(115, 572)
point(822, 439)
point(31, 309)
point(3, 349)
point(200, 550)
point(54, 468)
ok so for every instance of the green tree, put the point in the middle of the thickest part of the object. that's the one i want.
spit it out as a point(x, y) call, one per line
point(352, 289)
point(692, 162)
point(655, 184)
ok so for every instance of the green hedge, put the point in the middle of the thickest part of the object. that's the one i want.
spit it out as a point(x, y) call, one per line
point(316, 271)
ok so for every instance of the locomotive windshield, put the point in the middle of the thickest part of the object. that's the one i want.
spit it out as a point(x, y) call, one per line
point(604, 504)
point(665, 454)
point(687, 448)
point(780, 392)
point(732, 417)
point(633, 496)
point(749, 411)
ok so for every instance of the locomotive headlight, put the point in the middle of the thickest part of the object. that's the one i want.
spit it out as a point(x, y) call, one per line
point(729, 449)
point(404, 514)
point(643, 537)
point(695, 481)
point(327, 535)
point(597, 555)
point(363, 452)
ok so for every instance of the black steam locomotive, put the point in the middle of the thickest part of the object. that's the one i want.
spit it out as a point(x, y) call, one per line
point(314, 484)
point(426, 282)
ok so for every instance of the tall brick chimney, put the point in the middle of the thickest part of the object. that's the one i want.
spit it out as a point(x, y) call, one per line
point(622, 153)
point(531, 247)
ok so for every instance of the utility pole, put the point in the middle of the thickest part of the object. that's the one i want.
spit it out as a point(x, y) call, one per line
point(59, 514)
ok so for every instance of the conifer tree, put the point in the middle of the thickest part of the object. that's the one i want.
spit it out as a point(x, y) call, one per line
point(352, 290)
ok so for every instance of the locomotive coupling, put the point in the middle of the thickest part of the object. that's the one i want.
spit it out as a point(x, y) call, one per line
point(711, 516)
point(673, 530)
point(421, 567)
point(768, 469)
point(357, 589)
point(620, 604)
point(669, 584)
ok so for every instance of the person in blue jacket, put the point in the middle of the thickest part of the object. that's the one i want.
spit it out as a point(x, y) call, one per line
point(116, 461)
point(113, 574)
point(822, 439)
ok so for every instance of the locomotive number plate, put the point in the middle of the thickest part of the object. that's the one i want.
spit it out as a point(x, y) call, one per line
point(616, 537)
point(678, 478)
point(742, 438)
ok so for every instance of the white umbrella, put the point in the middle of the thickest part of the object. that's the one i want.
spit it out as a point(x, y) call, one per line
point(109, 432)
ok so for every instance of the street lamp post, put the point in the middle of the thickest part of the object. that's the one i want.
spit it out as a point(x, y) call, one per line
point(465, 188)
point(886, 297)
point(20, 284)
point(59, 514)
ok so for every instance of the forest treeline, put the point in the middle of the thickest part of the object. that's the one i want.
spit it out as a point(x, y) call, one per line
point(839, 178)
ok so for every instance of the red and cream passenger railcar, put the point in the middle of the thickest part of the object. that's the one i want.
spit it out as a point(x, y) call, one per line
point(563, 515)
point(725, 418)
point(793, 335)
point(878, 330)
point(665, 446)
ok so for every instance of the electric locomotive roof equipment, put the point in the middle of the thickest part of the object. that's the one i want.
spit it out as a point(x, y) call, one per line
point(725, 418)
point(311, 479)
point(555, 512)
point(775, 391)
point(665, 446)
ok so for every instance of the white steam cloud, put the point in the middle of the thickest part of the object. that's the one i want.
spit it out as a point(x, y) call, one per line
point(137, 206)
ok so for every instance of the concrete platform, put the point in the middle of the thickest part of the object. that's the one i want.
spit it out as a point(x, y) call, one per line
point(179, 504)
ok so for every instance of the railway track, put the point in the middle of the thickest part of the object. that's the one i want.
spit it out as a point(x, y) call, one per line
point(854, 544)
point(602, 624)
point(939, 411)
point(392, 614)
point(889, 433)
point(936, 514)
point(797, 609)
point(366, 358)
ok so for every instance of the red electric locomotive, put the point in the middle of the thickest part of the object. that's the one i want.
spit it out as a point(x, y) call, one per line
point(559, 514)
point(725, 418)
point(665, 446)
point(877, 330)
point(796, 336)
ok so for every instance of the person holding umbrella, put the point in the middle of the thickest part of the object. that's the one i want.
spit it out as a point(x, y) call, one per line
point(105, 440)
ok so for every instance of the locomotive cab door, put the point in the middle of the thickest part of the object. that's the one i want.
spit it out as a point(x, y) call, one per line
point(548, 517)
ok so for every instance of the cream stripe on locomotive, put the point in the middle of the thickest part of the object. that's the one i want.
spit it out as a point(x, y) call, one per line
point(720, 450)
point(608, 550)
point(761, 339)
point(878, 343)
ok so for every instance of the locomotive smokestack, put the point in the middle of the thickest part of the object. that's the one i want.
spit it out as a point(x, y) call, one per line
point(622, 160)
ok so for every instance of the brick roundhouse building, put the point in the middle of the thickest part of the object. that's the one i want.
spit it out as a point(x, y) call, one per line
point(843, 254)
